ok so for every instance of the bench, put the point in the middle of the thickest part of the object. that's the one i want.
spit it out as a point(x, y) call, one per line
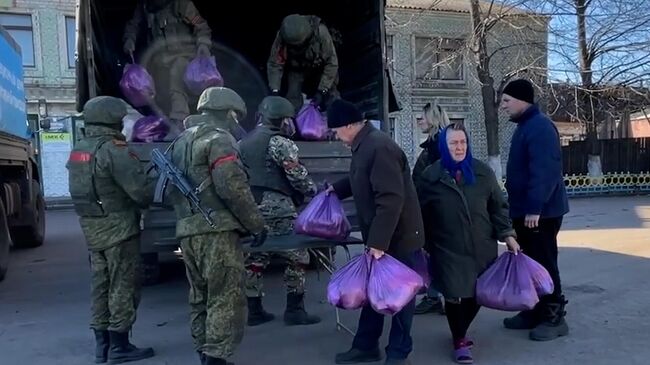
point(313, 245)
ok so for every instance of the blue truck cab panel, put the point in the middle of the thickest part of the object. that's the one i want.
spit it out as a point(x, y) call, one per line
point(13, 116)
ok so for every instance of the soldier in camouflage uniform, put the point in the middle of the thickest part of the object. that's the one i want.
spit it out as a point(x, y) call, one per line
point(177, 32)
point(108, 188)
point(208, 155)
point(304, 52)
point(278, 182)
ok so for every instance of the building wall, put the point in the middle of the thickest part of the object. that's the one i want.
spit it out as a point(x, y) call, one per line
point(39, 26)
point(50, 78)
point(461, 99)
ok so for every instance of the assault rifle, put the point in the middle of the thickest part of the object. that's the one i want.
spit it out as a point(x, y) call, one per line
point(167, 173)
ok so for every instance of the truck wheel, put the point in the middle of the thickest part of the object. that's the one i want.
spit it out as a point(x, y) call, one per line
point(32, 235)
point(150, 269)
point(5, 242)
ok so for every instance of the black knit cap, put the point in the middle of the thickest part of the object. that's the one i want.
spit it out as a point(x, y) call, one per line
point(521, 89)
point(342, 113)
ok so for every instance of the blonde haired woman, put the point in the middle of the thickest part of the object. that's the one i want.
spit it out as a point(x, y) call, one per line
point(434, 120)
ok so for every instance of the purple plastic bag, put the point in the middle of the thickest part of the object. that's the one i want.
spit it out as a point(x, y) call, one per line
point(541, 278)
point(421, 266)
point(348, 286)
point(507, 285)
point(391, 285)
point(311, 124)
point(149, 129)
point(202, 73)
point(137, 85)
point(324, 217)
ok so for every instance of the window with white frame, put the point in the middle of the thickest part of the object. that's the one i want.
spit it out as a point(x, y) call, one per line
point(19, 26)
point(71, 40)
point(438, 59)
point(390, 56)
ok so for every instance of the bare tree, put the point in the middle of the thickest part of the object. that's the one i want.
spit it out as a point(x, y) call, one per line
point(503, 41)
point(602, 48)
point(498, 29)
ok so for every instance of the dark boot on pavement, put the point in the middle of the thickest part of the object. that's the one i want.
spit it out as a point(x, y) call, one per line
point(102, 342)
point(356, 356)
point(553, 323)
point(295, 314)
point(215, 361)
point(256, 313)
point(430, 305)
point(390, 361)
point(121, 350)
point(526, 320)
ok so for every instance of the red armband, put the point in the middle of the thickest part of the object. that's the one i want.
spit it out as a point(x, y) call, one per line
point(77, 156)
point(222, 160)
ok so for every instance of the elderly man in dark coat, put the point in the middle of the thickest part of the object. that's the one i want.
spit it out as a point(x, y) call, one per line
point(390, 220)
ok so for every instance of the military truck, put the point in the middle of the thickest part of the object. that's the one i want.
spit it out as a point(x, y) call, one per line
point(243, 33)
point(22, 207)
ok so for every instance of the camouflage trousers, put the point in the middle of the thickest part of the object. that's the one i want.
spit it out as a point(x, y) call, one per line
point(295, 260)
point(172, 96)
point(296, 86)
point(215, 270)
point(115, 286)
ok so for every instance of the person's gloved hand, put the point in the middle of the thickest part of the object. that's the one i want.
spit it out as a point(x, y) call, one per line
point(129, 47)
point(258, 239)
point(320, 99)
point(203, 51)
point(324, 186)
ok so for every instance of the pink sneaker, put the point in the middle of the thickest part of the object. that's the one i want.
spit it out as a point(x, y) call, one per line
point(462, 351)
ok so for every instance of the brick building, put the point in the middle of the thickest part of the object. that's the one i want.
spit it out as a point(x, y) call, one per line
point(423, 33)
point(45, 31)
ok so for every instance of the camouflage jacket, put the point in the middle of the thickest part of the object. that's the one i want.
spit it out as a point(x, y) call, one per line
point(320, 54)
point(176, 22)
point(116, 187)
point(284, 153)
point(208, 155)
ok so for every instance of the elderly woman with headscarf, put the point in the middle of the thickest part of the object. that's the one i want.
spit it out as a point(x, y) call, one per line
point(464, 213)
point(434, 120)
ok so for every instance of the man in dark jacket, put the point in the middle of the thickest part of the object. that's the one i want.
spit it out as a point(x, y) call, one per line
point(538, 201)
point(389, 218)
point(434, 119)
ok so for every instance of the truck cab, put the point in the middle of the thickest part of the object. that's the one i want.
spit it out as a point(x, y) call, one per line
point(22, 207)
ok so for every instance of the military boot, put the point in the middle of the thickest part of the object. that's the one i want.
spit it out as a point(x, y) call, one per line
point(122, 350)
point(553, 324)
point(430, 305)
point(295, 313)
point(102, 342)
point(526, 320)
point(256, 313)
point(215, 361)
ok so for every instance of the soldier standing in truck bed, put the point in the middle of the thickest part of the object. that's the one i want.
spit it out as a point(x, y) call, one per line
point(304, 53)
point(177, 32)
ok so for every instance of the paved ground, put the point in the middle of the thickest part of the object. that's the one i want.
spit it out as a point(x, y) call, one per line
point(604, 258)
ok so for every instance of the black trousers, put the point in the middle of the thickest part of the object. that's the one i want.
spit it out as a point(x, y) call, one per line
point(460, 316)
point(371, 326)
point(540, 244)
